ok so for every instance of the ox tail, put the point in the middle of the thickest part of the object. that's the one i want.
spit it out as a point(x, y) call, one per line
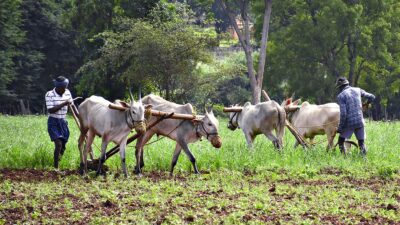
point(280, 130)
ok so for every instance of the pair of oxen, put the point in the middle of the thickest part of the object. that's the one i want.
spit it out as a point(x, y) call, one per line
point(96, 118)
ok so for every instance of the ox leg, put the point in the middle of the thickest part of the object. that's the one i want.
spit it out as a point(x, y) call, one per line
point(190, 156)
point(139, 151)
point(80, 147)
point(122, 148)
point(102, 157)
point(89, 142)
point(274, 140)
point(175, 157)
point(249, 139)
point(331, 137)
point(91, 153)
point(280, 132)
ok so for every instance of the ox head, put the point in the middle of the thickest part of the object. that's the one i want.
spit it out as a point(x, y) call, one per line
point(208, 127)
point(291, 107)
point(136, 113)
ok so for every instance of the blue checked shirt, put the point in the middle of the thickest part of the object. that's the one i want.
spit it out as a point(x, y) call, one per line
point(349, 100)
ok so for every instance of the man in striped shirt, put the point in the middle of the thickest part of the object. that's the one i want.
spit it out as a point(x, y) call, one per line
point(57, 101)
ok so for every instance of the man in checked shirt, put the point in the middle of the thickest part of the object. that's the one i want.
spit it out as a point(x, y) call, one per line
point(351, 115)
point(57, 101)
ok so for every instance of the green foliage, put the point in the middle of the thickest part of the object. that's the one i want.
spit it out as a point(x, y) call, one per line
point(316, 41)
point(40, 50)
point(35, 150)
point(221, 82)
point(11, 35)
point(160, 53)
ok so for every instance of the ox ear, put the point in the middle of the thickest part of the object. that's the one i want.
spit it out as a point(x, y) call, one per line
point(124, 104)
point(148, 106)
point(246, 104)
point(205, 109)
point(288, 101)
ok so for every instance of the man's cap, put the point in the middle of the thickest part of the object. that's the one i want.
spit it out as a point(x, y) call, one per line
point(61, 81)
point(341, 81)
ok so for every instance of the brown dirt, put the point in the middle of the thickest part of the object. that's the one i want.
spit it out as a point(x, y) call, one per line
point(110, 208)
point(31, 175)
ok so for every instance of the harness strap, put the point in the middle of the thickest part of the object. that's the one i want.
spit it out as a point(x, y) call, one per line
point(237, 119)
point(132, 124)
point(205, 131)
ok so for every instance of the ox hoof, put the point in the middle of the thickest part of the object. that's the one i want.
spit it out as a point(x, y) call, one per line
point(139, 175)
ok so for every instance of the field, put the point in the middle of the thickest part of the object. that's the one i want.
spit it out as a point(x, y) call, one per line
point(237, 185)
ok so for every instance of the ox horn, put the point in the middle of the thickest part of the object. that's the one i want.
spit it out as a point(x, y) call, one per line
point(140, 94)
point(131, 96)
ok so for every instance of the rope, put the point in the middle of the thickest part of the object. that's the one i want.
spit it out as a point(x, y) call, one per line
point(324, 124)
point(159, 139)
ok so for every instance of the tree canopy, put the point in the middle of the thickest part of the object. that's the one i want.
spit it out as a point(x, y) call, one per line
point(172, 49)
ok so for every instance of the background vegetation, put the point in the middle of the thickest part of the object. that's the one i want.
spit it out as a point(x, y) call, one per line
point(172, 49)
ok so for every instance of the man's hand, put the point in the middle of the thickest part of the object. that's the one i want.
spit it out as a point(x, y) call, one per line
point(339, 130)
point(68, 102)
point(365, 106)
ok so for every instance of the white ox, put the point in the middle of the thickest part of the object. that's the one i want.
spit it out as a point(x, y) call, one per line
point(311, 120)
point(262, 118)
point(181, 131)
point(96, 118)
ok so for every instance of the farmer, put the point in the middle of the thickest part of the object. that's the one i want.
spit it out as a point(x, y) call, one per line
point(57, 101)
point(351, 115)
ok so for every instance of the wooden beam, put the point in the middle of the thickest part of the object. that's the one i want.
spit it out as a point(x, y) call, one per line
point(233, 109)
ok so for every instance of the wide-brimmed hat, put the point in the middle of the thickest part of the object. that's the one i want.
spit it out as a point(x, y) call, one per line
point(341, 81)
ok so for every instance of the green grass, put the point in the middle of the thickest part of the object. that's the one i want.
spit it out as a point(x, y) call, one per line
point(238, 185)
point(24, 143)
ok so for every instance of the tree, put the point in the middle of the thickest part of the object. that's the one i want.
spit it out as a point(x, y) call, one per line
point(160, 52)
point(256, 78)
point(37, 47)
point(314, 42)
point(11, 36)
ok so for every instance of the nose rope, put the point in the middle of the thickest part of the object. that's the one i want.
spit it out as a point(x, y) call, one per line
point(205, 131)
point(139, 124)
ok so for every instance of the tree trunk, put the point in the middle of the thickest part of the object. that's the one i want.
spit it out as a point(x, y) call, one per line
point(351, 46)
point(358, 74)
point(263, 51)
point(256, 79)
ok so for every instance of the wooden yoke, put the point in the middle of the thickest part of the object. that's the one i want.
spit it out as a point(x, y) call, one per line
point(157, 113)
point(233, 109)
